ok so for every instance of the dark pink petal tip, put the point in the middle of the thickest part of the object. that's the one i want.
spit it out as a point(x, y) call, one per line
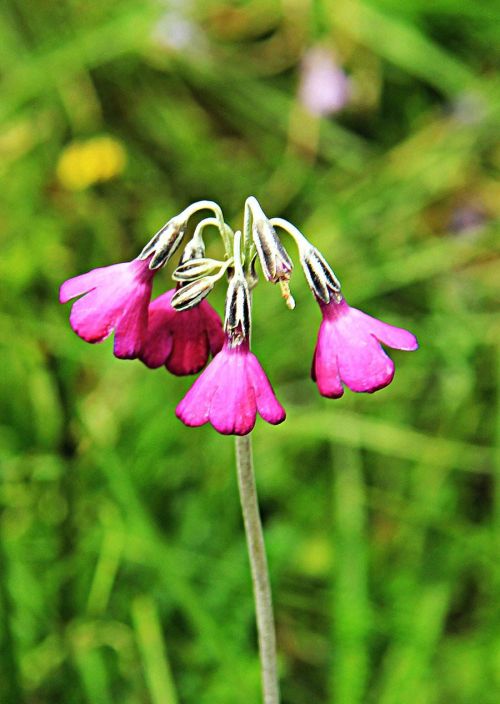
point(277, 420)
point(187, 419)
point(329, 392)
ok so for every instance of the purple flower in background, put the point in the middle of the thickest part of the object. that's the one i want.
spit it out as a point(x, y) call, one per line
point(348, 350)
point(324, 87)
point(230, 392)
point(467, 219)
point(112, 298)
point(181, 340)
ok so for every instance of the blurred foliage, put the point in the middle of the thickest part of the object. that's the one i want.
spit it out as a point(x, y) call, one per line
point(123, 574)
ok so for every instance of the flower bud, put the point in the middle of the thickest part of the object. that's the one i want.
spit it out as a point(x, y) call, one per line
point(275, 262)
point(237, 321)
point(321, 279)
point(164, 243)
point(195, 249)
point(191, 294)
point(196, 268)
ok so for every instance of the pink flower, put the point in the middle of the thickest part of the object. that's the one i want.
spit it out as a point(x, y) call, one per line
point(181, 340)
point(229, 393)
point(348, 350)
point(324, 87)
point(113, 298)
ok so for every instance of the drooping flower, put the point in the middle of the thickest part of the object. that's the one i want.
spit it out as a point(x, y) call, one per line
point(112, 298)
point(348, 350)
point(233, 388)
point(181, 340)
point(324, 87)
point(230, 392)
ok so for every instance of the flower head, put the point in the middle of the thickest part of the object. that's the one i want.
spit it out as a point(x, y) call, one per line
point(230, 392)
point(112, 298)
point(180, 330)
point(181, 340)
point(348, 350)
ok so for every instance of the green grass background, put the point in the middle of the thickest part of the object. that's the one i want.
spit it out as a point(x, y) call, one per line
point(123, 568)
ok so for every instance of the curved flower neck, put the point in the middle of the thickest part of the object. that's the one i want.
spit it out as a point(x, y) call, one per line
point(236, 346)
point(334, 309)
point(141, 269)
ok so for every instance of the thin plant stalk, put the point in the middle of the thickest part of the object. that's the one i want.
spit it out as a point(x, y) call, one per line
point(259, 569)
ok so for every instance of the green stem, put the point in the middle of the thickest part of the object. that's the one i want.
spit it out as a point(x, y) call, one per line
point(259, 569)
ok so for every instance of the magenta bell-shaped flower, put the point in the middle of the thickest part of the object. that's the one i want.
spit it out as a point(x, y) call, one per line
point(112, 298)
point(348, 350)
point(230, 392)
point(181, 340)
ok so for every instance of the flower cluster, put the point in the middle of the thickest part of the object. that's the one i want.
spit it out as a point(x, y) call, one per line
point(180, 330)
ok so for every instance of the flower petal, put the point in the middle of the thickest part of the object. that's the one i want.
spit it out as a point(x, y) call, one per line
point(194, 408)
point(130, 330)
point(190, 348)
point(233, 408)
point(398, 338)
point(83, 283)
point(157, 341)
point(267, 404)
point(325, 369)
point(362, 363)
point(91, 318)
point(213, 326)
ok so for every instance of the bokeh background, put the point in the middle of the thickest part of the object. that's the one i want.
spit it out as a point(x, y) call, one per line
point(123, 567)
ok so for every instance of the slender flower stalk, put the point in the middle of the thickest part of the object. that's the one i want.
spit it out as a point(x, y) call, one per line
point(259, 569)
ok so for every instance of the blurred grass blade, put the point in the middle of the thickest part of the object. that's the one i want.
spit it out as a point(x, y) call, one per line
point(403, 44)
point(360, 431)
point(153, 651)
point(350, 606)
point(105, 571)
point(93, 674)
point(406, 665)
point(43, 71)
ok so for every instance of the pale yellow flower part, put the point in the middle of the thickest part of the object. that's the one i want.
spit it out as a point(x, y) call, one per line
point(81, 164)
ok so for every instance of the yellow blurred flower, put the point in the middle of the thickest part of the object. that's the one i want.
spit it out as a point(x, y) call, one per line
point(81, 164)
